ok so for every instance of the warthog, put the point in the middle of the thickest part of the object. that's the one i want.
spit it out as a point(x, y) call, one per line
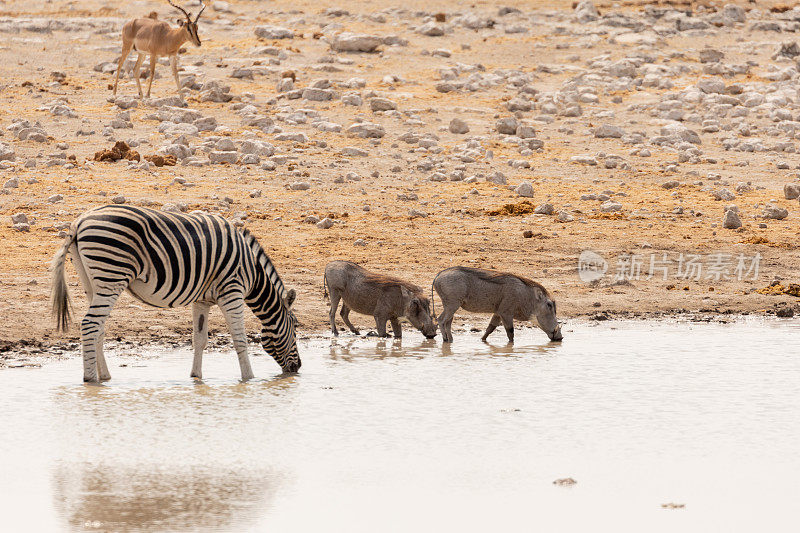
point(505, 295)
point(384, 297)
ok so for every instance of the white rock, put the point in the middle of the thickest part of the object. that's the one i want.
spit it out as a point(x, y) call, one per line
point(382, 104)
point(355, 42)
point(431, 29)
point(366, 130)
point(273, 32)
point(458, 126)
point(11, 183)
point(724, 195)
point(545, 209)
point(775, 212)
point(506, 126)
point(300, 186)
point(216, 156)
point(19, 218)
point(525, 189)
point(610, 206)
point(6, 152)
point(325, 223)
point(608, 131)
point(791, 191)
point(564, 216)
point(731, 220)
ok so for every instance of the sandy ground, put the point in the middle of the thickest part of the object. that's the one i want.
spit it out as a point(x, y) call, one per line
point(458, 228)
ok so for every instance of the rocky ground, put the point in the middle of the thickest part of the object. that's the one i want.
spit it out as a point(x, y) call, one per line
point(411, 140)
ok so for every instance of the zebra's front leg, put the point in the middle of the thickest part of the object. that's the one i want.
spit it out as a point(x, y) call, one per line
point(199, 336)
point(233, 309)
point(93, 329)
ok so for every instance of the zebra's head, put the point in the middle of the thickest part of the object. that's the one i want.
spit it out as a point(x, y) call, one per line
point(282, 344)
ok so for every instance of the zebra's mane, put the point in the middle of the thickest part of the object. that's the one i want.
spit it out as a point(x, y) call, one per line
point(263, 260)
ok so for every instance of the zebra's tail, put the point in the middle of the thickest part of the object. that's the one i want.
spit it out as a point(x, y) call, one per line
point(59, 292)
point(325, 286)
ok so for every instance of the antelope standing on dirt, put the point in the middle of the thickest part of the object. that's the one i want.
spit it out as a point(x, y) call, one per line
point(157, 38)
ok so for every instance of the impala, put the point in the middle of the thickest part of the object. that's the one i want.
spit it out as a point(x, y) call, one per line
point(157, 38)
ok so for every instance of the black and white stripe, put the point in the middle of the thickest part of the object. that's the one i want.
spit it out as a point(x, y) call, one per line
point(173, 260)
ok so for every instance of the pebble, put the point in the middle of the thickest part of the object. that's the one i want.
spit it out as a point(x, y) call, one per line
point(775, 212)
point(524, 189)
point(458, 126)
point(731, 220)
point(791, 191)
point(325, 223)
point(300, 186)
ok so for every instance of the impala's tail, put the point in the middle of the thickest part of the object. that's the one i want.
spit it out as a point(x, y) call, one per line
point(59, 293)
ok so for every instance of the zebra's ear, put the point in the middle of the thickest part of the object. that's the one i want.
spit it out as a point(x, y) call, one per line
point(291, 294)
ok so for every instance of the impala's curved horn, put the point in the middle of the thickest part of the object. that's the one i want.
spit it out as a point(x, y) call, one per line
point(201, 12)
point(181, 10)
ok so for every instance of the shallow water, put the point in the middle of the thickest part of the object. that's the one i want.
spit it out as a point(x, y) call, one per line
point(383, 435)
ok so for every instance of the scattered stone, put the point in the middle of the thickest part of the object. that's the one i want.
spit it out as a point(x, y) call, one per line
point(355, 42)
point(791, 191)
point(608, 131)
point(525, 189)
point(19, 218)
point(458, 126)
point(273, 32)
point(325, 223)
point(431, 29)
point(300, 186)
point(731, 220)
point(775, 212)
point(382, 104)
point(545, 209)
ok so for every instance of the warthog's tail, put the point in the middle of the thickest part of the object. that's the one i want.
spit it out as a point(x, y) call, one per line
point(59, 293)
point(433, 302)
point(325, 286)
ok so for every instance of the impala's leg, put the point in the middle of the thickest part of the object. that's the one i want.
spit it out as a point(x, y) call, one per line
point(396, 329)
point(199, 336)
point(174, 63)
point(345, 314)
point(153, 61)
point(493, 323)
point(136, 68)
point(232, 305)
point(126, 49)
point(335, 296)
point(93, 328)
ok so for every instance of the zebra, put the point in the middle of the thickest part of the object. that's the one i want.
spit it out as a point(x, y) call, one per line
point(172, 260)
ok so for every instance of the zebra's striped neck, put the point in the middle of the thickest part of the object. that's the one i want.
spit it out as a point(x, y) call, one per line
point(267, 287)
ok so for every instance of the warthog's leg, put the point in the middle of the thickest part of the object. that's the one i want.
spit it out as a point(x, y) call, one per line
point(396, 329)
point(446, 323)
point(508, 323)
point(380, 324)
point(335, 296)
point(232, 306)
point(493, 323)
point(345, 314)
point(199, 336)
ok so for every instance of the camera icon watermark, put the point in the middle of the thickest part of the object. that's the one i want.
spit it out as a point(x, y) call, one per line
point(592, 267)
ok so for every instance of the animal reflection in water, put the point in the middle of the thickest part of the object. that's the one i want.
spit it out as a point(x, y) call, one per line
point(110, 498)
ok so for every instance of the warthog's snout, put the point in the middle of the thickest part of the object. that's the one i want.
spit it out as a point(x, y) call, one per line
point(555, 335)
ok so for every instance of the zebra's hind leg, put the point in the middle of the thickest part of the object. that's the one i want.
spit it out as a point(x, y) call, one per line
point(93, 328)
point(232, 305)
point(199, 336)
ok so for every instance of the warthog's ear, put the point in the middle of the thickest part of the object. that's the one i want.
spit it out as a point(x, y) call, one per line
point(291, 294)
point(413, 306)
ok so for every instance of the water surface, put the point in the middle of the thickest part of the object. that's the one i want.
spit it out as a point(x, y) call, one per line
point(384, 435)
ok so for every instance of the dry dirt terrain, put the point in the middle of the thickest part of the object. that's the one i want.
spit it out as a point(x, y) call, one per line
point(511, 136)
